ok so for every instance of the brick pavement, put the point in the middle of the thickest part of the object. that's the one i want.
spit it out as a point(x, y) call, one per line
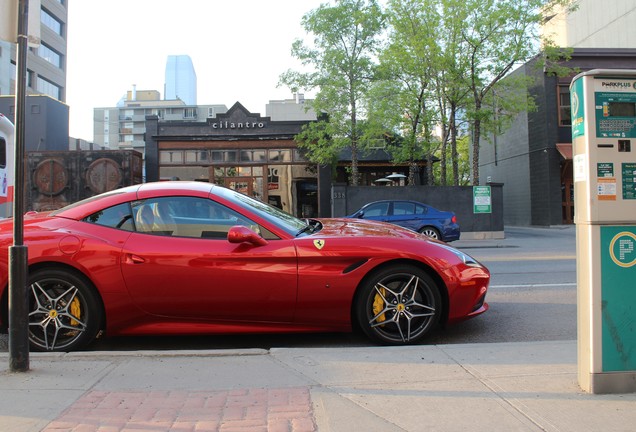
point(253, 410)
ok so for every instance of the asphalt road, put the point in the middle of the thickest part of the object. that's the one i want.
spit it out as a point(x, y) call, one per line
point(532, 294)
point(532, 297)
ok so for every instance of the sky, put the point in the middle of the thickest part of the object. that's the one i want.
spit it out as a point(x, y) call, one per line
point(239, 49)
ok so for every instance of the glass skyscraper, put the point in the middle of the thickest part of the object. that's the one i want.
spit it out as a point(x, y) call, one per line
point(181, 80)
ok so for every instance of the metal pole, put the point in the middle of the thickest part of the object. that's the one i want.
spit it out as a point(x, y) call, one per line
point(18, 253)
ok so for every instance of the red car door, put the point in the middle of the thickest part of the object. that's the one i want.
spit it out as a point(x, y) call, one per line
point(210, 278)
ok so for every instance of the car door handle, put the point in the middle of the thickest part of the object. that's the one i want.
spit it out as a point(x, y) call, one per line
point(134, 259)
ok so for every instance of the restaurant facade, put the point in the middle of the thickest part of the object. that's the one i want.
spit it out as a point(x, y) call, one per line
point(240, 150)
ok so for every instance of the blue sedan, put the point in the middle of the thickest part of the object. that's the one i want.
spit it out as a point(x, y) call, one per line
point(437, 224)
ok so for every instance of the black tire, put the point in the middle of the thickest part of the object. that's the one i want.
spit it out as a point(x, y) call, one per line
point(431, 232)
point(398, 305)
point(64, 311)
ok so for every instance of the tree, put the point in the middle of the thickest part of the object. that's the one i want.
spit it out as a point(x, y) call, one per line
point(462, 176)
point(497, 36)
point(346, 39)
point(452, 88)
point(425, 90)
point(403, 101)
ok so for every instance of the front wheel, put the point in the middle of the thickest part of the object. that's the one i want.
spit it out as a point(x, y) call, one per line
point(64, 311)
point(398, 305)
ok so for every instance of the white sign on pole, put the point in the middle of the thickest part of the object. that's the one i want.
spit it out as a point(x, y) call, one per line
point(9, 21)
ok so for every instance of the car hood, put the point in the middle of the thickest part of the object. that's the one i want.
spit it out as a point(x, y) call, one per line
point(338, 227)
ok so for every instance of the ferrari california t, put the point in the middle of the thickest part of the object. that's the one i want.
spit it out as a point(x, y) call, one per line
point(186, 258)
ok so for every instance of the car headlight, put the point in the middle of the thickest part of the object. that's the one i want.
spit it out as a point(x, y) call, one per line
point(467, 259)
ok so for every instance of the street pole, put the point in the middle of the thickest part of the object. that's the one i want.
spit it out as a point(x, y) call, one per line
point(18, 254)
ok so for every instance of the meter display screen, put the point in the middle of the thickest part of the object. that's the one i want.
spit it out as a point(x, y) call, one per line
point(621, 109)
point(615, 107)
point(615, 114)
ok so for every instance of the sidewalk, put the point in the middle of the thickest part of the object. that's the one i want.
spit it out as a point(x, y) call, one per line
point(520, 236)
point(483, 387)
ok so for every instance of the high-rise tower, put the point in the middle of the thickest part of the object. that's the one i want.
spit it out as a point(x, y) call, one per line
point(181, 80)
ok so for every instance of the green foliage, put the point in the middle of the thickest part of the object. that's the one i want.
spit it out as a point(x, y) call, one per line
point(441, 74)
point(317, 143)
point(404, 99)
point(498, 35)
point(552, 60)
point(463, 174)
point(346, 38)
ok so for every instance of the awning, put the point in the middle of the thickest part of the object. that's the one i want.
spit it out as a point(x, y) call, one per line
point(566, 150)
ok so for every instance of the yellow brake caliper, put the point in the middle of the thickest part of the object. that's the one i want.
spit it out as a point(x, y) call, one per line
point(378, 305)
point(76, 310)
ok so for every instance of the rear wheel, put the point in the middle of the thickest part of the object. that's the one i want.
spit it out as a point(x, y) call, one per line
point(398, 306)
point(431, 232)
point(64, 311)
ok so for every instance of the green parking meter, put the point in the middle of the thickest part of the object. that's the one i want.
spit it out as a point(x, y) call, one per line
point(603, 106)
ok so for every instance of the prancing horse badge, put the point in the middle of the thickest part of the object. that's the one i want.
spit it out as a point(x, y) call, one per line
point(319, 244)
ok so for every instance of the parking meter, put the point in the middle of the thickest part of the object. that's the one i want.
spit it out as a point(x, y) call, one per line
point(603, 104)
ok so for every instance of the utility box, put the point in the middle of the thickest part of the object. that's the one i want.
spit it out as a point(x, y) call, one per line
point(603, 104)
point(55, 179)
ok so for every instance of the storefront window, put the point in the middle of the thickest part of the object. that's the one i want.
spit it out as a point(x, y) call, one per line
point(171, 157)
point(258, 188)
point(219, 175)
point(196, 156)
point(298, 156)
point(243, 171)
point(280, 155)
point(253, 156)
point(223, 156)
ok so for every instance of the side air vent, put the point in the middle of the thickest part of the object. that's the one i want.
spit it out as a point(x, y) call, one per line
point(354, 266)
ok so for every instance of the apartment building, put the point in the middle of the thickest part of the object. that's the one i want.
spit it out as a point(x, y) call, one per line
point(46, 64)
point(46, 111)
point(124, 126)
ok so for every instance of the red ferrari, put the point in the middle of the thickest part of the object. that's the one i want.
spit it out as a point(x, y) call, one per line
point(195, 258)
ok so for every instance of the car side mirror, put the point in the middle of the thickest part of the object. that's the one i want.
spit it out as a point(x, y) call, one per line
point(242, 234)
point(360, 215)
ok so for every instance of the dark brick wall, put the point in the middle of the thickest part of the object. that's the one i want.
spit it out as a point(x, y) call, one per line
point(346, 200)
point(505, 159)
point(541, 141)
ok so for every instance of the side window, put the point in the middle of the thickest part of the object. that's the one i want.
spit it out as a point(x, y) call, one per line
point(420, 210)
point(118, 216)
point(380, 209)
point(403, 208)
point(565, 111)
point(187, 217)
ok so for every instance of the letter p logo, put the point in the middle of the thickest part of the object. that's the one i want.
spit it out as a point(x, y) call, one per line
point(622, 249)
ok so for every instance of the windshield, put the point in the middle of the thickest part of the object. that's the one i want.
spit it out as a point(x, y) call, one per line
point(285, 221)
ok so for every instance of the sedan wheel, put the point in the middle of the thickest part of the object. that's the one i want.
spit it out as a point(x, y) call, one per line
point(398, 305)
point(64, 312)
point(431, 232)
